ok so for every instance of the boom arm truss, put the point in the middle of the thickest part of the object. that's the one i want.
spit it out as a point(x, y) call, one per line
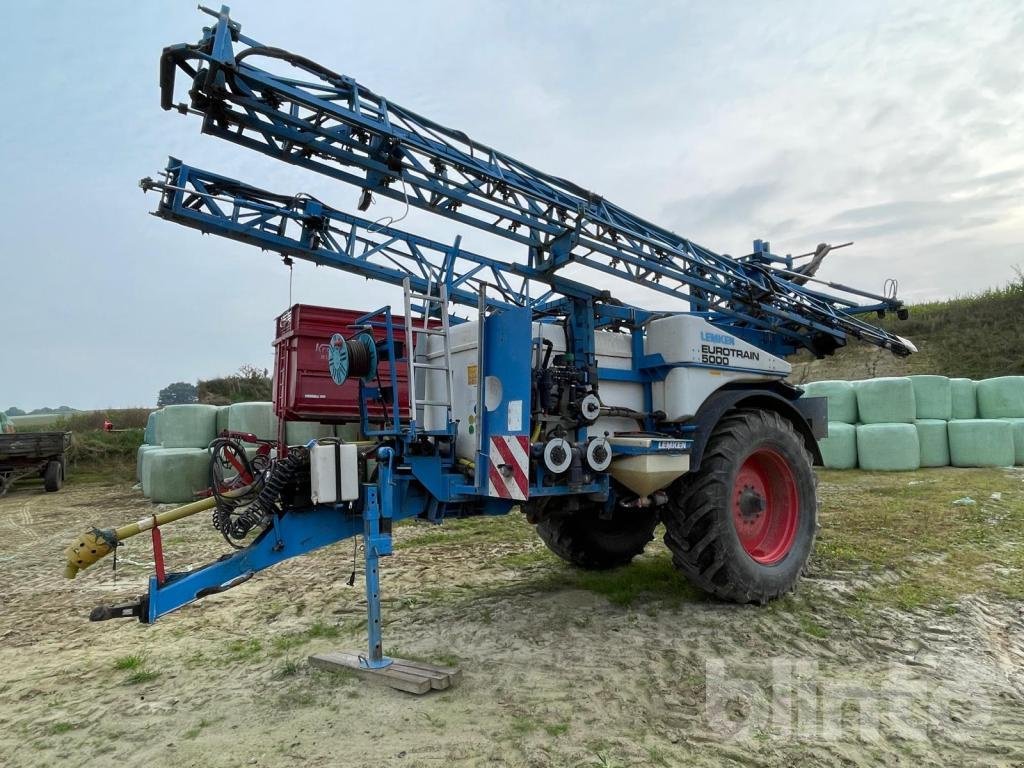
point(330, 124)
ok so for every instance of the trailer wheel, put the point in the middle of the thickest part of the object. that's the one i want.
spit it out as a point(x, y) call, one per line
point(742, 527)
point(54, 477)
point(589, 541)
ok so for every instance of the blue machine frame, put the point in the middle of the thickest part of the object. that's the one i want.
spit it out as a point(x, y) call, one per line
point(336, 127)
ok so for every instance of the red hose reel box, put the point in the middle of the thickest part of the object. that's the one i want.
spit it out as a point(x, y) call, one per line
point(303, 388)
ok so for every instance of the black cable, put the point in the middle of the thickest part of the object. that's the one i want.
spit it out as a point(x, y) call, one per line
point(222, 450)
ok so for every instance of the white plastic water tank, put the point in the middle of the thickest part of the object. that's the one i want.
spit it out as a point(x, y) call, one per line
point(334, 472)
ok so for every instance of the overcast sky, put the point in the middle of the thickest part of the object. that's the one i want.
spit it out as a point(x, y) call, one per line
point(899, 125)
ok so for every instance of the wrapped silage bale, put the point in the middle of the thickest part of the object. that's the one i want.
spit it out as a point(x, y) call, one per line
point(175, 475)
point(933, 397)
point(839, 449)
point(980, 443)
point(888, 447)
point(842, 399)
point(964, 399)
point(149, 435)
point(1017, 427)
point(222, 417)
point(145, 468)
point(187, 426)
point(349, 432)
point(139, 456)
point(886, 401)
point(1001, 398)
point(255, 418)
point(301, 432)
point(934, 442)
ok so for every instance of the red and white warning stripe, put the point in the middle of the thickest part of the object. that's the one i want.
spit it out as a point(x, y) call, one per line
point(508, 470)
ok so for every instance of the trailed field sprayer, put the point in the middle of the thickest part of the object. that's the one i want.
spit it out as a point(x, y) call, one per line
point(594, 417)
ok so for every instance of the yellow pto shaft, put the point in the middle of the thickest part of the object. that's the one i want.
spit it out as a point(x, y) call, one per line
point(95, 544)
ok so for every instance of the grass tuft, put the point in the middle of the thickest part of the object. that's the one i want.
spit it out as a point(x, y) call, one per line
point(132, 661)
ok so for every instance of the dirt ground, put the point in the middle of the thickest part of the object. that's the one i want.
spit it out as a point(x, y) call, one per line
point(903, 646)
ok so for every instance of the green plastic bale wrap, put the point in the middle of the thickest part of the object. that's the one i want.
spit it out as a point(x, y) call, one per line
point(934, 441)
point(886, 401)
point(347, 432)
point(965, 399)
point(1017, 427)
point(839, 449)
point(139, 454)
point(933, 397)
point(255, 418)
point(145, 468)
point(301, 432)
point(222, 417)
point(980, 443)
point(149, 435)
point(187, 426)
point(177, 474)
point(888, 447)
point(842, 399)
point(1001, 398)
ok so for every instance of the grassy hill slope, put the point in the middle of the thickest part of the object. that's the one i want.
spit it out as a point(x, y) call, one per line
point(975, 337)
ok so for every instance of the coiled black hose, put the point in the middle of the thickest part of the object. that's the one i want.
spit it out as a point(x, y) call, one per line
point(235, 517)
point(265, 504)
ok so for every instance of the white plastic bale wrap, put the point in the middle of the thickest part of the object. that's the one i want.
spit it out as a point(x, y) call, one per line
point(839, 449)
point(934, 441)
point(888, 447)
point(842, 399)
point(175, 475)
point(187, 426)
point(1001, 398)
point(933, 397)
point(964, 399)
point(1017, 427)
point(886, 401)
point(254, 418)
point(980, 443)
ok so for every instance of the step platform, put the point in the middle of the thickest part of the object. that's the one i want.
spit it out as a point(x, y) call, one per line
point(409, 676)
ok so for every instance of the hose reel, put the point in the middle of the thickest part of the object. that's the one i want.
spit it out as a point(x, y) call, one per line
point(557, 455)
point(355, 357)
point(599, 454)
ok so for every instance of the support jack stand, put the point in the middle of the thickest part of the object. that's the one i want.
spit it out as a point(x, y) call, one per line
point(409, 676)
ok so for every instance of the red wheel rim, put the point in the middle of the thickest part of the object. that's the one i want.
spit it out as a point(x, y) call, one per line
point(765, 506)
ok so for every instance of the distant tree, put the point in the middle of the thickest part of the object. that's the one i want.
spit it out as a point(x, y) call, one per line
point(178, 393)
point(12, 411)
point(248, 384)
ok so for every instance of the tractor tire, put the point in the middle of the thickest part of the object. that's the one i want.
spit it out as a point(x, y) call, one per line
point(53, 479)
point(586, 540)
point(742, 527)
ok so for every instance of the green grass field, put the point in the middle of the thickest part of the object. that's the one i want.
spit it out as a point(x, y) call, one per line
point(37, 422)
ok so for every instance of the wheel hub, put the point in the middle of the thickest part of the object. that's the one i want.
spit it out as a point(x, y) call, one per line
point(751, 504)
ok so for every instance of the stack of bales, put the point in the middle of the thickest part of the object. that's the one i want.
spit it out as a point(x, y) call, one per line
point(173, 463)
point(175, 467)
point(839, 449)
point(903, 423)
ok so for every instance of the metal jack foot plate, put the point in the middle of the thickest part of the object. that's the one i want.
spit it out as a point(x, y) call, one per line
point(409, 676)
